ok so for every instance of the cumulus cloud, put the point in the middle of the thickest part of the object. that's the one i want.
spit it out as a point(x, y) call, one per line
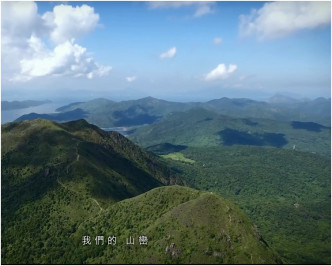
point(217, 41)
point(26, 19)
point(201, 8)
point(67, 58)
point(26, 51)
point(131, 79)
point(220, 72)
point(69, 22)
point(279, 19)
point(168, 54)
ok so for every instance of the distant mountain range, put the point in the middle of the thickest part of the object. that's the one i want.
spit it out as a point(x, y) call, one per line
point(201, 128)
point(282, 99)
point(6, 105)
point(63, 183)
point(107, 113)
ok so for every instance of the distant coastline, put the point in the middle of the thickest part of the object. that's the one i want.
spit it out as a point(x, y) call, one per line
point(6, 105)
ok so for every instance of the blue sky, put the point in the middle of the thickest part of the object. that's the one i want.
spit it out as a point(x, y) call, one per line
point(171, 50)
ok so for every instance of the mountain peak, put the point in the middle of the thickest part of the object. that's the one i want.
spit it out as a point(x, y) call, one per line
point(101, 100)
point(150, 99)
point(280, 98)
point(79, 124)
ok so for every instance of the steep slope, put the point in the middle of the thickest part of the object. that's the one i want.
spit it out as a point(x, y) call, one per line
point(56, 175)
point(53, 175)
point(108, 167)
point(75, 149)
point(201, 128)
point(286, 193)
point(61, 182)
point(182, 225)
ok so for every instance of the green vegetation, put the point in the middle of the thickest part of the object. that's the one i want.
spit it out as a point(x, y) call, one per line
point(182, 225)
point(317, 110)
point(61, 182)
point(286, 194)
point(55, 175)
point(106, 113)
point(59, 117)
point(166, 148)
point(202, 128)
point(177, 156)
point(73, 179)
point(78, 151)
point(285, 191)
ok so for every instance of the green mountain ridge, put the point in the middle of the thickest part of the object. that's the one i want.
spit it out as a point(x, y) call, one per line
point(201, 128)
point(278, 172)
point(61, 182)
point(183, 226)
point(285, 192)
point(106, 113)
point(80, 148)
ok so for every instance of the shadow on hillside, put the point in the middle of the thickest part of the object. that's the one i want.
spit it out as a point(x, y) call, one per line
point(310, 126)
point(166, 148)
point(234, 137)
point(134, 116)
point(249, 122)
point(123, 179)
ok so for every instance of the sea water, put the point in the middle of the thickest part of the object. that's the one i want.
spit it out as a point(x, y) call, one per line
point(12, 115)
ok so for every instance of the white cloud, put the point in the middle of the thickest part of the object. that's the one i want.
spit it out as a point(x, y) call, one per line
point(20, 19)
point(202, 8)
point(169, 54)
point(131, 79)
point(67, 58)
point(69, 22)
point(26, 51)
point(220, 72)
point(279, 19)
point(217, 41)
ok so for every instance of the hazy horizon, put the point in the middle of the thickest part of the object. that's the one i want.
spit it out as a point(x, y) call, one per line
point(177, 51)
point(71, 99)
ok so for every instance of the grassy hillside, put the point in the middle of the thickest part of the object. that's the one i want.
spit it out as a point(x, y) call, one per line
point(75, 150)
point(55, 174)
point(202, 128)
point(182, 226)
point(286, 193)
point(61, 182)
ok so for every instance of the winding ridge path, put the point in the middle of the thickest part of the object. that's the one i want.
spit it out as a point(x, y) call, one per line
point(67, 171)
